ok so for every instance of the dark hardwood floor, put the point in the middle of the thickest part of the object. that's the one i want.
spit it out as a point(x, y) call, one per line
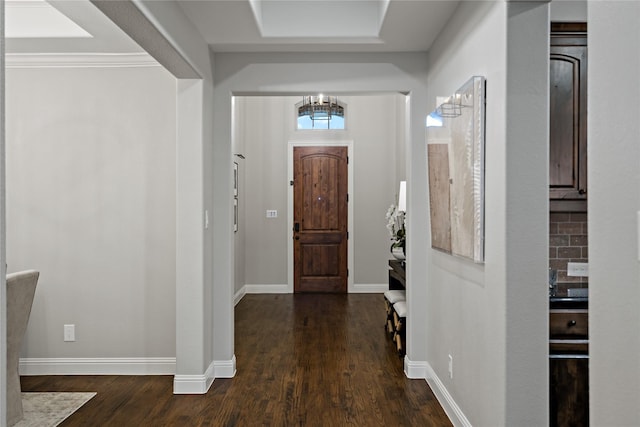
point(303, 360)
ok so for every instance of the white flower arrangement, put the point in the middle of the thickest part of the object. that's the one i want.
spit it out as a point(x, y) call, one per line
point(396, 227)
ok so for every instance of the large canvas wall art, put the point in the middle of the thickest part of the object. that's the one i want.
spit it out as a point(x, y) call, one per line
point(455, 150)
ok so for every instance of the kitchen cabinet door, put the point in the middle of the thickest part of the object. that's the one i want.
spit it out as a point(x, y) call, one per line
point(568, 113)
point(569, 392)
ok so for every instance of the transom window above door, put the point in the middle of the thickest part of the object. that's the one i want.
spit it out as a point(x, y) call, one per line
point(320, 112)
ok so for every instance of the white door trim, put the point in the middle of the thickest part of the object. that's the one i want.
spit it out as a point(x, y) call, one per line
point(349, 145)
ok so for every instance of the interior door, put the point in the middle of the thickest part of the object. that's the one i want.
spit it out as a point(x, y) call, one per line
point(320, 215)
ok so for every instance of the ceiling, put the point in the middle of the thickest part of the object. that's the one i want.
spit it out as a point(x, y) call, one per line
point(62, 26)
point(319, 25)
point(39, 26)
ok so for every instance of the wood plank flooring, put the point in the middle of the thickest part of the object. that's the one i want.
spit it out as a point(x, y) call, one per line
point(303, 360)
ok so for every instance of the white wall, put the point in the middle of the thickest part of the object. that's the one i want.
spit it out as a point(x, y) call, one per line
point(402, 127)
point(614, 200)
point(3, 239)
point(238, 141)
point(203, 299)
point(498, 371)
point(568, 10)
point(265, 127)
point(466, 301)
point(91, 204)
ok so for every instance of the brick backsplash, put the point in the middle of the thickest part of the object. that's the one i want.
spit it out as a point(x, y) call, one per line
point(568, 242)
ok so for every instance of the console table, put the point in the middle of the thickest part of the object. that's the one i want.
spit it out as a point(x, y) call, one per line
point(397, 275)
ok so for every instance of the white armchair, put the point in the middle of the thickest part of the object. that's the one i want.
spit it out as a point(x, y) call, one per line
point(21, 288)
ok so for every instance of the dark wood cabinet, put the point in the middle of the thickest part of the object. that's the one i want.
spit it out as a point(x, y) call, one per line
point(568, 117)
point(569, 392)
point(569, 323)
point(569, 364)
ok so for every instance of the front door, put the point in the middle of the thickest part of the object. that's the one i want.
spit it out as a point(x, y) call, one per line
point(320, 219)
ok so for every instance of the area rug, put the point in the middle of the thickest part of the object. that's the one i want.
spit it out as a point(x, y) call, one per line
point(50, 409)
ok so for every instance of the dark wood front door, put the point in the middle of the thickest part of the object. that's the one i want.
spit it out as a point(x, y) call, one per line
point(320, 219)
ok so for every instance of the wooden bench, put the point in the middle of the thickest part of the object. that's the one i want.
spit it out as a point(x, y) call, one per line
point(399, 322)
point(390, 298)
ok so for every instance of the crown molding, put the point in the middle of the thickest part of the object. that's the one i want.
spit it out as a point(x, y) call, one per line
point(79, 60)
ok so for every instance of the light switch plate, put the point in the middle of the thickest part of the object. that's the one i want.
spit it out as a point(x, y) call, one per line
point(272, 213)
point(69, 333)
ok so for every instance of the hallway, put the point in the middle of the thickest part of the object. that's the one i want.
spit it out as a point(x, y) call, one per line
point(304, 360)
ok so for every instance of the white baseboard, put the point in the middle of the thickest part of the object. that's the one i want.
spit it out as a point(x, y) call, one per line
point(239, 295)
point(194, 384)
point(375, 288)
point(453, 411)
point(358, 288)
point(98, 366)
point(225, 368)
point(415, 370)
point(200, 384)
point(259, 289)
point(267, 289)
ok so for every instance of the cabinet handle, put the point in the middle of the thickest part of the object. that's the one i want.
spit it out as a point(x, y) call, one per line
point(571, 323)
point(582, 191)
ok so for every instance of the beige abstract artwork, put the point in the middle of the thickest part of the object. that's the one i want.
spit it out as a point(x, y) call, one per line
point(455, 150)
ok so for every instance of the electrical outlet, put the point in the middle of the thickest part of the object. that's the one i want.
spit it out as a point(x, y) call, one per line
point(272, 213)
point(580, 269)
point(69, 332)
point(450, 366)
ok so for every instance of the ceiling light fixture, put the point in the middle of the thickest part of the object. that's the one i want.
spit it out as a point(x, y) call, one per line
point(320, 108)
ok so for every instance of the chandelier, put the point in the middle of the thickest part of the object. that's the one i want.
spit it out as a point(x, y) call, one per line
point(320, 108)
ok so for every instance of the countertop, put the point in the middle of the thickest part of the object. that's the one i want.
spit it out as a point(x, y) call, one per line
point(568, 302)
